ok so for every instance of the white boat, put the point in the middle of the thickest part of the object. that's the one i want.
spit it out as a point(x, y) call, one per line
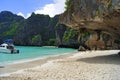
point(8, 48)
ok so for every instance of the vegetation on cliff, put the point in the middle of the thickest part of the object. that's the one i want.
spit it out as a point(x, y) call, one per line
point(8, 24)
point(99, 18)
point(12, 30)
point(69, 35)
point(37, 30)
point(67, 4)
point(93, 23)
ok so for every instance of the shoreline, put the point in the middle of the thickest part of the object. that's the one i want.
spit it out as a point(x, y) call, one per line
point(33, 59)
point(14, 67)
point(89, 65)
point(29, 59)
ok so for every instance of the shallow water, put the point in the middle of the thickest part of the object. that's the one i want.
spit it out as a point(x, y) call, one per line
point(32, 53)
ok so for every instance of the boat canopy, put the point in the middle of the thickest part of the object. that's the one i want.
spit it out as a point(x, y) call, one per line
point(9, 41)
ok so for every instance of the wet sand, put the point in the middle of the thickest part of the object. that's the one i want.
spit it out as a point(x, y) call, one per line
point(90, 65)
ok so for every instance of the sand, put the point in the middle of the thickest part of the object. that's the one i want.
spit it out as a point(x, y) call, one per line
point(90, 65)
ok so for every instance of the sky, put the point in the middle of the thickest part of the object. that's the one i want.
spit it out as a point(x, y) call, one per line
point(26, 7)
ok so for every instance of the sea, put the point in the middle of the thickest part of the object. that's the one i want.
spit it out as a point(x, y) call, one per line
point(29, 53)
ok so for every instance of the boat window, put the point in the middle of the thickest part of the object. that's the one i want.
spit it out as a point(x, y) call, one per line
point(10, 47)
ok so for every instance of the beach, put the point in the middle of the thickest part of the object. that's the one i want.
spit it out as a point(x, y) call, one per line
point(88, 65)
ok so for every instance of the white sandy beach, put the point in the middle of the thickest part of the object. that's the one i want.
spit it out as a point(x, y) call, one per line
point(90, 65)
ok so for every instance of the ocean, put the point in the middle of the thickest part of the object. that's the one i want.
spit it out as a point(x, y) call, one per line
point(28, 53)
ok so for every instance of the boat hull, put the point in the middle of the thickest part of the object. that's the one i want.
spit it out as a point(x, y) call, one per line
point(9, 51)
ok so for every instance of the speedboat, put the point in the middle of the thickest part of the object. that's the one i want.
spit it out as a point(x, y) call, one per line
point(8, 47)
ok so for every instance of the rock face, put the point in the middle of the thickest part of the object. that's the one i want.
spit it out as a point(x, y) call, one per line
point(60, 31)
point(98, 22)
point(66, 37)
point(32, 30)
point(37, 30)
point(8, 24)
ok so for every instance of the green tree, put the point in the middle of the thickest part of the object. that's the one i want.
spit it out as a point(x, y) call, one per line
point(67, 4)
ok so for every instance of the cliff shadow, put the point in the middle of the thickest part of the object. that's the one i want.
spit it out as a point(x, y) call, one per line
point(106, 59)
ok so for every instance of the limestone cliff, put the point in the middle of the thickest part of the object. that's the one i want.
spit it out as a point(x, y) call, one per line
point(94, 17)
point(37, 30)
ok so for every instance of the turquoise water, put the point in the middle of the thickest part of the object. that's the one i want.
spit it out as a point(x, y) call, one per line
point(30, 53)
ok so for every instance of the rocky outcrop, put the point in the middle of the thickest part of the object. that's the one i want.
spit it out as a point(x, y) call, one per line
point(8, 24)
point(60, 31)
point(66, 37)
point(96, 17)
point(37, 30)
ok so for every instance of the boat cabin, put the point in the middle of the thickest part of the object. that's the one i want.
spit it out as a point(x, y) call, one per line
point(6, 46)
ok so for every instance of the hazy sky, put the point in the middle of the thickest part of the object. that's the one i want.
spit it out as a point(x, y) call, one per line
point(26, 7)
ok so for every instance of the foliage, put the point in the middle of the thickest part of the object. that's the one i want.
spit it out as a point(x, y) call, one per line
point(12, 30)
point(52, 41)
point(108, 3)
point(85, 34)
point(70, 34)
point(36, 38)
point(67, 4)
point(97, 12)
point(38, 29)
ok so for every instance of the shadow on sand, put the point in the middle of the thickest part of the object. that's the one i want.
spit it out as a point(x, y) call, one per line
point(1, 66)
point(106, 59)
